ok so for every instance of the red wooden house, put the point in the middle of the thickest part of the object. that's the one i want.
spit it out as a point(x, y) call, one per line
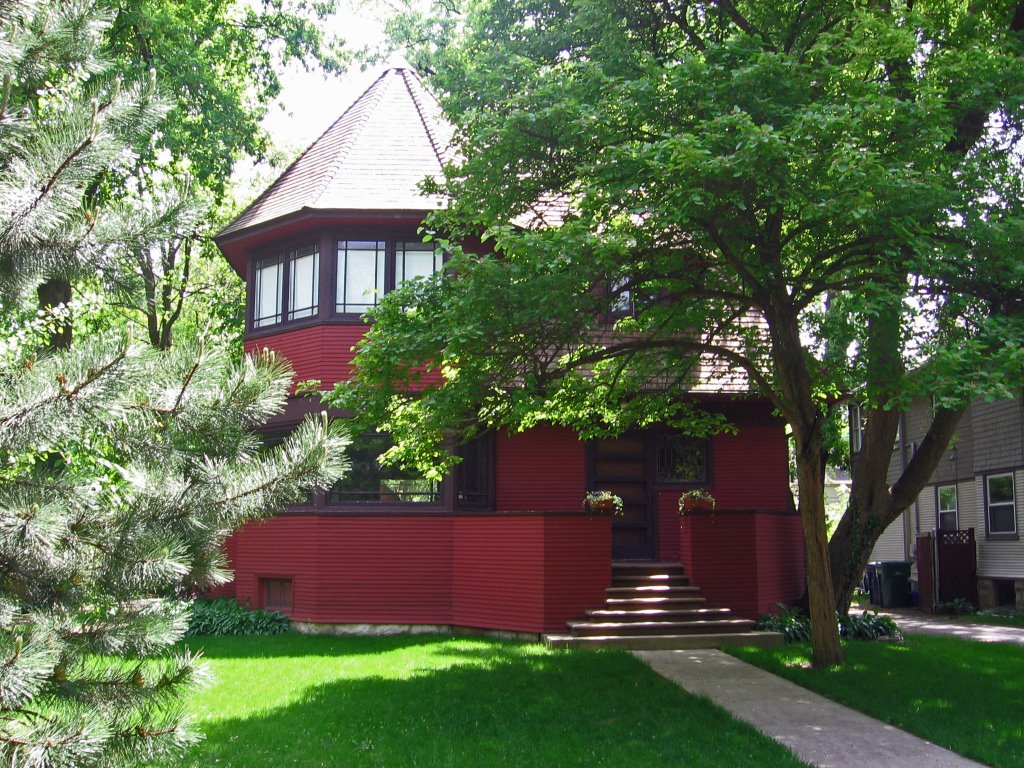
point(502, 544)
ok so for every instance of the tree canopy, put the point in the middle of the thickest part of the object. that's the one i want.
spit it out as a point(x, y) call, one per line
point(780, 195)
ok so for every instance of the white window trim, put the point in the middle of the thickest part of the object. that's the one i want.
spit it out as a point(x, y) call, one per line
point(1012, 504)
point(939, 511)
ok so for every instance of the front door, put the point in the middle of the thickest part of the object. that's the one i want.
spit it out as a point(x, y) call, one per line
point(620, 465)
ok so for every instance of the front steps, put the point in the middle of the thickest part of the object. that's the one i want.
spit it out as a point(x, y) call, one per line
point(653, 606)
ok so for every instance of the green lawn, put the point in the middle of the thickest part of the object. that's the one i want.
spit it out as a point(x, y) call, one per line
point(966, 696)
point(295, 700)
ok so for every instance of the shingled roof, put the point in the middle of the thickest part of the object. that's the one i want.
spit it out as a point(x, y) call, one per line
point(373, 157)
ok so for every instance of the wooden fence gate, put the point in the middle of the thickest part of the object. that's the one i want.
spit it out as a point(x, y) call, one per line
point(947, 568)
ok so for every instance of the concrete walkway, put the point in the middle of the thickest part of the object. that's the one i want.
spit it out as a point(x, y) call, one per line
point(816, 730)
point(919, 623)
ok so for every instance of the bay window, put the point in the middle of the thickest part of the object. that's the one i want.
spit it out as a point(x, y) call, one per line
point(286, 286)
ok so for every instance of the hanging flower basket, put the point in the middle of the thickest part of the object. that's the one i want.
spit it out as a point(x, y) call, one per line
point(602, 503)
point(696, 501)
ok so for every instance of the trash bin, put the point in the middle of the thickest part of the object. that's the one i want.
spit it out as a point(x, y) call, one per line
point(871, 579)
point(894, 583)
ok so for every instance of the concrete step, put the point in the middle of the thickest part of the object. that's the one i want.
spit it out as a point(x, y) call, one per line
point(651, 590)
point(646, 568)
point(655, 601)
point(650, 579)
point(667, 642)
point(632, 628)
point(642, 613)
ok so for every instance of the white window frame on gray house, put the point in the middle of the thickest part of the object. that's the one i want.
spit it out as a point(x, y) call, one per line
point(856, 428)
point(1001, 503)
point(947, 507)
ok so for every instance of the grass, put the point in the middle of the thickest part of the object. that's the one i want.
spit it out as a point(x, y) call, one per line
point(295, 700)
point(966, 696)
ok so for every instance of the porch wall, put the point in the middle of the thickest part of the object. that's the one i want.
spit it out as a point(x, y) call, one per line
point(517, 572)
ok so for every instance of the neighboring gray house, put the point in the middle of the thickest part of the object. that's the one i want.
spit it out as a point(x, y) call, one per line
point(979, 485)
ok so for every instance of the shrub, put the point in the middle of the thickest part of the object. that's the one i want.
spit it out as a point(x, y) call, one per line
point(224, 616)
point(795, 626)
point(957, 607)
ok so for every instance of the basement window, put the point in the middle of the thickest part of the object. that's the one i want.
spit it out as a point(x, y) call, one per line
point(276, 594)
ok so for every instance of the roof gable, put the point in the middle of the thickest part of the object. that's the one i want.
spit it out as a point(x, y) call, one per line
point(373, 157)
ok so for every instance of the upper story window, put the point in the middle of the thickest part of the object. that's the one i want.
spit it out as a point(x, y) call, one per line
point(286, 286)
point(368, 269)
point(1001, 504)
point(948, 508)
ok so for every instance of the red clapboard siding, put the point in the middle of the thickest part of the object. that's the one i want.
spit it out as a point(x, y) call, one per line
point(528, 573)
point(322, 352)
point(352, 569)
point(780, 561)
point(749, 470)
point(577, 566)
point(669, 547)
point(499, 572)
point(746, 561)
point(541, 469)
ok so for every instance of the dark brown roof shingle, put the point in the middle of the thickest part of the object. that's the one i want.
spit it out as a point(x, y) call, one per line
point(373, 157)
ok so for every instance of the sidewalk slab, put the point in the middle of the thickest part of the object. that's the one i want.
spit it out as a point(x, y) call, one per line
point(918, 623)
point(815, 729)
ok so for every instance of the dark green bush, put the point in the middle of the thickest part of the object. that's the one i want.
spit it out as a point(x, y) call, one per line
point(957, 607)
point(224, 616)
point(796, 626)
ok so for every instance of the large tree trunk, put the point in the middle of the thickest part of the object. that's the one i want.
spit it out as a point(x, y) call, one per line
point(826, 650)
point(53, 293)
point(806, 420)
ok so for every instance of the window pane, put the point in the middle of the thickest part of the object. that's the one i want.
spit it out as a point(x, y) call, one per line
point(360, 275)
point(947, 498)
point(473, 474)
point(416, 260)
point(1000, 489)
point(304, 280)
point(947, 521)
point(368, 482)
point(1001, 518)
point(267, 290)
point(681, 459)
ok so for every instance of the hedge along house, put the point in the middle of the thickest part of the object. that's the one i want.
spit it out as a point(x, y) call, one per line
point(503, 543)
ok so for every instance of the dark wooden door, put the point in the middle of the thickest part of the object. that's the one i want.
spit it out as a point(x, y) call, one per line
point(620, 465)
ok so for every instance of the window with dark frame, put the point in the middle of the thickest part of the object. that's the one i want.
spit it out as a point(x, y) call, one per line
point(268, 292)
point(286, 287)
point(948, 508)
point(681, 459)
point(276, 594)
point(1001, 504)
point(473, 474)
point(368, 269)
point(370, 482)
point(304, 282)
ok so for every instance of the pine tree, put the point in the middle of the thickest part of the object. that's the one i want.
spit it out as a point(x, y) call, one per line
point(122, 468)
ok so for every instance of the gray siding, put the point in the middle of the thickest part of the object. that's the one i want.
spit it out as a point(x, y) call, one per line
point(998, 437)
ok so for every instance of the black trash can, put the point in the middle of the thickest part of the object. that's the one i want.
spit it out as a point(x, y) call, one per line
point(894, 583)
point(871, 579)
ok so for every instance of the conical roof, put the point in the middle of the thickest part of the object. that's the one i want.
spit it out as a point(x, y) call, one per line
point(372, 158)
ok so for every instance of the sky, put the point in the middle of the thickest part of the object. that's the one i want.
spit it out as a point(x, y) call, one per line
point(311, 101)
